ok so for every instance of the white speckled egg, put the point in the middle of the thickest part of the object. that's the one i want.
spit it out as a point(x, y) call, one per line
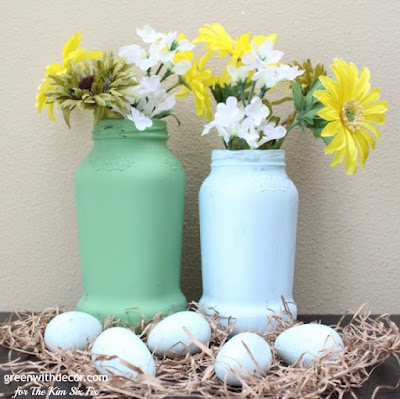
point(122, 342)
point(307, 339)
point(234, 358)
point(71, 330)
point(168, 337)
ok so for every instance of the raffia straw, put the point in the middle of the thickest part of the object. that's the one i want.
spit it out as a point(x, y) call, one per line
point(368, 341)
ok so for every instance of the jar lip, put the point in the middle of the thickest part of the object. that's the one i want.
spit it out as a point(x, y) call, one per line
point(248, 157)
point(125, 128)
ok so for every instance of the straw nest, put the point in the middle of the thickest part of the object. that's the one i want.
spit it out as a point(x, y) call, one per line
point(368, 342)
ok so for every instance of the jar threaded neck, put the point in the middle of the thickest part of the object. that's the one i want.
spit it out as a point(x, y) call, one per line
point(248, 157)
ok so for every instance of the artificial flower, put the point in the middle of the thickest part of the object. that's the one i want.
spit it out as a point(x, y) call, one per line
point(227, 119)
point(101, 86)
point(198, 80)
point(148, 34)
point(239, 75)
point(148, 100)
point(217, 39)
point(247, 124)
point(265, 62)
point(262, 55)
point(71, 52)
point(351, 108)
point(167, 55)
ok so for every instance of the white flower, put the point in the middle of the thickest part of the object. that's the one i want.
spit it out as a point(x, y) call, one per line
point(185, 45)
point(227, 119)
point(137, 55)
point(261, 56)
point(286, 72)
point(181, 67)
point(141, 121)
point(238, 75)
point(148, 85)
point(148, 34)
point(272, 132)
point(165, 103)
point(256, 111)
point(153, 58)
point(171, 45)
point(253, 140)
point(264, 60)
point(133, 54)
point(271, 75)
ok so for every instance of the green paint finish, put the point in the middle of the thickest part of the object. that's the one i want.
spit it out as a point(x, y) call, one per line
point(129, 201)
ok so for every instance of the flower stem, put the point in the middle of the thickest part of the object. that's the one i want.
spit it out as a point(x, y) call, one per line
point(253, 86)
point(159, 68)
point(279, 143)
point(241, 88)
point(262, 92)
point(168, 73)
point(173, 87)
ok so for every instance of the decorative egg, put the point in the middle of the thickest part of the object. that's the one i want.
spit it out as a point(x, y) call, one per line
point(309, 340)
point(122, 342)
point(169, 338)
point(71, 330)
point(245, 354)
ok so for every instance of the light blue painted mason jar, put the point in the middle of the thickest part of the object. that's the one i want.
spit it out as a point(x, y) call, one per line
point(248, 222)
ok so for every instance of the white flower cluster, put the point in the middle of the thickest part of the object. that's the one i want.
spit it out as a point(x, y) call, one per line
point(248, 123)
point(149, 99)
point(265, 64)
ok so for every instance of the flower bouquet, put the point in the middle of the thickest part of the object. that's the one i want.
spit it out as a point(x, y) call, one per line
point(130, 188)
point(248, 205)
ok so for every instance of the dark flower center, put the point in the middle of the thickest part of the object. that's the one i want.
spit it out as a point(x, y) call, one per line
point(86, 82)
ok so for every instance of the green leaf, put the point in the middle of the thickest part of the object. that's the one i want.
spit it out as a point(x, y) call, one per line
point(221, 93)
point(298, 98)
point(327, 140)
point(66, 114)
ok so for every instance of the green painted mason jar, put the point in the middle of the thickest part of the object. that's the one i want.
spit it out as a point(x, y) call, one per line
point(130, 194)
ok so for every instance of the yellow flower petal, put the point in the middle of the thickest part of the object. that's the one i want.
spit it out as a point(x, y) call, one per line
point(376, 118)
point(376, 108)
point(72, 44)
point(351, 155)
point(331, 129)
point(370, 97)
point(337, 144)
point(362, 146)
point(329, 114)
point(71, 51)
point(373, 129)
point(368, 137)
point(333, 89)
point(350, 92)
point(338, 158)
point(363, 86)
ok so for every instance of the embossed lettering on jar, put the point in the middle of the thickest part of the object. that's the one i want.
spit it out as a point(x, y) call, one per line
point(248, 219)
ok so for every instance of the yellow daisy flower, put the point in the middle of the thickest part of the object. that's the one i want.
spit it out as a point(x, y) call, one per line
point(217, 39)
point(71, 51)
point(197, 79)
point(351, 109)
